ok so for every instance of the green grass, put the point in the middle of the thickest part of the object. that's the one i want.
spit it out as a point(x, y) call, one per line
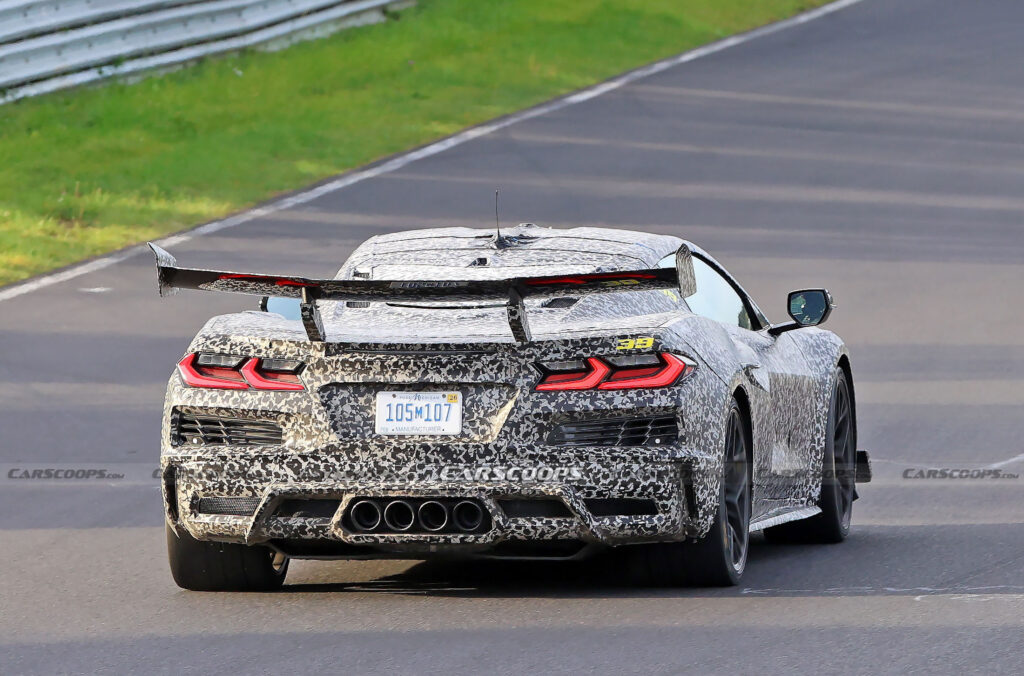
point(87, 171)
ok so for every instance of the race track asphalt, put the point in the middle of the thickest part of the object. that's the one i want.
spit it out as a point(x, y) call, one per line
point(878, 151)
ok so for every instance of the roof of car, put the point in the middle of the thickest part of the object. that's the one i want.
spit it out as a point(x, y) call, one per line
point(523, 246)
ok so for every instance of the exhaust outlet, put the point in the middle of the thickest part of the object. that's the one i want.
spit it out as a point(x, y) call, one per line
point(399, 515)
point(365, 515)
point(433, 515)
point(467, 515)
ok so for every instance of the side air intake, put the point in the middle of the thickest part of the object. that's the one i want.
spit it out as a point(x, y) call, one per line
point(653, 431)
point(207, 430)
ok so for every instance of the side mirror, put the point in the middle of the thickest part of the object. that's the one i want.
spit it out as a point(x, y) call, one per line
point(807, 307)
point(286, 307)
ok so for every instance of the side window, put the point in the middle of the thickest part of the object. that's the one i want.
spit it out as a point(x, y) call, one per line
point(715, 297)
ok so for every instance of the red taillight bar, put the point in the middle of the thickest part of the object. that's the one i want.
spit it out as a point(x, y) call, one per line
point(584, 380)
point(222, 378)
point(601, 376)
point(193, 378)
point(267, 380)
point(666, 375)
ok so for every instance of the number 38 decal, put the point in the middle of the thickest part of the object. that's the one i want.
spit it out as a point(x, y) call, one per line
point(634, 343)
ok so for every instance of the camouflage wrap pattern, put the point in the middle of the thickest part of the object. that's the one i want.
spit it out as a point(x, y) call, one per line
point(329, 448)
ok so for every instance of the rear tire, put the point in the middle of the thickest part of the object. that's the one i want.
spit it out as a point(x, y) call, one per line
point(719, 558)
point(220, 566)
point(838, 488)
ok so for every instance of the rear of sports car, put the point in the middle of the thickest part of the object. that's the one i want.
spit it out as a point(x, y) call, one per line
point(347, 450)
point(476, 410)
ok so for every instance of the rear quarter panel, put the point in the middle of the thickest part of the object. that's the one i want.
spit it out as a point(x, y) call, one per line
point(822, 350)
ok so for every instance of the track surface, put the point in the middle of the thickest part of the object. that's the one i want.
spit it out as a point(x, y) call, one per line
point(878, 150)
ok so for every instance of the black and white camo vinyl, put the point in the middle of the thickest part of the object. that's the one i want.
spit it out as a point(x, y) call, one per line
point(330, 449)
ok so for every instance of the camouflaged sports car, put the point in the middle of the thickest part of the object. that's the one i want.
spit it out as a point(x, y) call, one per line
point(537, 393)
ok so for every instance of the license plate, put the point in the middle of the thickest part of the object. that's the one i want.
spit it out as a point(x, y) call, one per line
point(428, 413)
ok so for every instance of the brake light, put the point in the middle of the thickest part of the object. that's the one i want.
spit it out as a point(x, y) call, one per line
point(576, 380)
point(278, 281)
point(648, 376)
point(596, 373)
point(261, 377)
point(218, 377)
point(227, 372)
point(586, 279)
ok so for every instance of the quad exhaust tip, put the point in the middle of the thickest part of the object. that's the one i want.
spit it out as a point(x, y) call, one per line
point(467, 515)
point(399, 515)
point(433, 515)
point(366, 515)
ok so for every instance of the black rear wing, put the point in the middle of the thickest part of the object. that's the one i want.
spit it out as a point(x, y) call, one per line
point(511, 291)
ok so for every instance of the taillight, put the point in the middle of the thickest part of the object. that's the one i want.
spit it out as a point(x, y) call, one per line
point(609, 278)
point(264, 375)
point(585, 378)
point(227, 372)
point(618, 373)
point(667, 373)
point(220, 377)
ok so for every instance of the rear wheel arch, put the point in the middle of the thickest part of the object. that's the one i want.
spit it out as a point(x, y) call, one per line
point(743, 401)
point(712, 560)
point(832, 522)
point(739, 395)
point(844, 364)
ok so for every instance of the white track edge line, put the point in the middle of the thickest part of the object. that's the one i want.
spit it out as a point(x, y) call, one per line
point(426, 151)
point(1007, 462)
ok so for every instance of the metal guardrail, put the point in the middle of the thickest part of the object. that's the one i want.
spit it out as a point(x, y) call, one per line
point(51, 44)
point(24, 18)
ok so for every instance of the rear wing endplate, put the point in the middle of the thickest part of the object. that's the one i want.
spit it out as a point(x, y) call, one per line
point(511, 292)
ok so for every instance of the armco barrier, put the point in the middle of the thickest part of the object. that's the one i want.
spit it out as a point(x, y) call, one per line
point(52, 44)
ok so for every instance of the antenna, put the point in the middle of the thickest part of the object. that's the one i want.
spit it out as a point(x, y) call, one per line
point(497, 223)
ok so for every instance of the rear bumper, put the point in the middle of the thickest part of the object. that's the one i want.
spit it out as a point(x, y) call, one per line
point(263, 484)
